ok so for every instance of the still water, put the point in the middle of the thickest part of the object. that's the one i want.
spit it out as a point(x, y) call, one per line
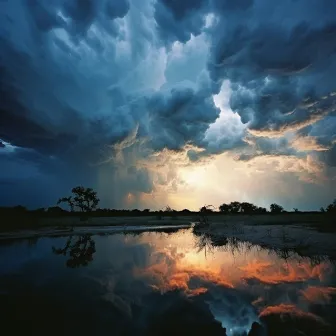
point(161, 284)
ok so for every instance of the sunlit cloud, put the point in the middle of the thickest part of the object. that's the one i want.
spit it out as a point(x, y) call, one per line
point(319, 295)
point(259, 180)
point(290, 310)
point(308, 143)
point(285, 273)
point(223, 278)
point(178, 268)
point(143, 96)
point(171, 272)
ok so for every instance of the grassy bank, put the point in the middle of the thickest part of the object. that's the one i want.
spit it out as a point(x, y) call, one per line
point(30, 220)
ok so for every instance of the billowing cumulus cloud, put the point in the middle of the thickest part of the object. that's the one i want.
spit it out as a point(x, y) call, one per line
point(179, 20)
point(104, 93)
point(274, 64)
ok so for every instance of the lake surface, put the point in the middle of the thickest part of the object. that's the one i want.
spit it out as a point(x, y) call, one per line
point(161, 284)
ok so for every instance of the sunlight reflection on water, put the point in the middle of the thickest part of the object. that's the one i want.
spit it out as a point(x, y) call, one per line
point(238, 282)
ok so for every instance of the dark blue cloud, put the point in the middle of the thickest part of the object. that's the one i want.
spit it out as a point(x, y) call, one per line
point(227, 6)
point(330, 156)
point(178, 20)
point(178, 118)
point(78, 77)
point(280, 68)
point(43, 16)
point(117, 9)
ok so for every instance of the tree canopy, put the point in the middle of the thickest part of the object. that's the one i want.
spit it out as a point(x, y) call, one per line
point(84, 199)
point(276, 208)
point(331, 207)
point(241, 207)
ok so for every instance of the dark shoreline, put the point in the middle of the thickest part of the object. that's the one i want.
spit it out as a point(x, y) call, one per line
point(32, 221)
point(87, 230)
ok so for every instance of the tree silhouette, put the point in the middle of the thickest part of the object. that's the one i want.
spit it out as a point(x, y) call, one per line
point(203, 220)
point(85, 199)
point(80, 253)
point(244, 207)
point(168, 209)
point(235, 207)
point(276, 208)
point(207, 209)
point(224, 208)
point(248, 208)
point(67, 200)
point(331, 207)
point(261, 210)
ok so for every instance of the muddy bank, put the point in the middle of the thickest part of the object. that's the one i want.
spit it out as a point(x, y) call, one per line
point(321, 221)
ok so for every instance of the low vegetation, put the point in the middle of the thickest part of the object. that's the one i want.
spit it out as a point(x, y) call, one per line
point(83, 202)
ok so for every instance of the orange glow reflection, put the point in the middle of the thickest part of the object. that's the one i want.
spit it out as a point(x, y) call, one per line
point(173, 271)
point(286, 272)
point(175, 263)
point(319, 294)
point(288, 309)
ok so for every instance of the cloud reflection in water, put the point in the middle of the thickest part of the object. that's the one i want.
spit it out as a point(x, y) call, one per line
point(142, 283)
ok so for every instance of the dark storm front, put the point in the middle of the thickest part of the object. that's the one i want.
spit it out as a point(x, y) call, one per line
point(161, 284)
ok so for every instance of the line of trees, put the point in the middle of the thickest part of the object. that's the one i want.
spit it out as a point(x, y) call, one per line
point(241, 207)
point(85, 200)
point(330, 208)
point(249, 208)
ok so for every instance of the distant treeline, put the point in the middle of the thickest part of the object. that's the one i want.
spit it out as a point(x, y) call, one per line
point(230, 208)
point(84, 202)
point(58, 211)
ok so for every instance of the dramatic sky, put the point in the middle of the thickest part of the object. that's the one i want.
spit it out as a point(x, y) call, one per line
point(167, 102)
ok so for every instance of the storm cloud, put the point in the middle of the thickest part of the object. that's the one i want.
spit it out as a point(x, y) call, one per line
point(91, 88)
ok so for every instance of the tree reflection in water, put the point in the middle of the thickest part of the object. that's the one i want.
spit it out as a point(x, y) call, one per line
point(79, 252)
